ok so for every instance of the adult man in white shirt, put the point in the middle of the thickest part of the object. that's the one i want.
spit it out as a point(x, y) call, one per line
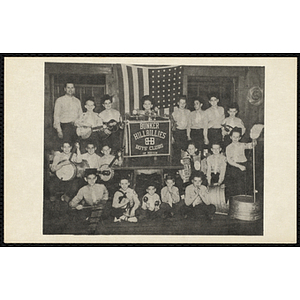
point(67, 110)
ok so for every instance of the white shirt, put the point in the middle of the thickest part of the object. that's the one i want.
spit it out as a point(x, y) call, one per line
point(168, 197)
point(110, 114)
point(89, 119)
point(197, 119)
point(130, 194)
point(235, 152)
point(91, 194)
point(67, 109)
point(93, 160)
point(150, 203)
point(106, 159)
point(234, 122)
point(196, 196)
point(181, 117)
point(216, 164)
point(215, 116)
point(61, 156)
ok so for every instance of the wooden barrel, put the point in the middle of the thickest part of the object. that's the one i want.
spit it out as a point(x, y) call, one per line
point(216, 196)
point(242, 207)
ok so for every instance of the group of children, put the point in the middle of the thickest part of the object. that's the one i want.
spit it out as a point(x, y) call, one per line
point(126, 205)
point(92, 161)
point(204, 127)
point(192, 133)
point(97, 128)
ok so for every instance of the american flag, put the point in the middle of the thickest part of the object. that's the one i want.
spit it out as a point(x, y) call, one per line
point(163, 84)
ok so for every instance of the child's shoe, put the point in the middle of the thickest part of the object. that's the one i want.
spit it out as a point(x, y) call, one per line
point(116, 220)
point(65, 198)
point(123, 218)
point(132, 219)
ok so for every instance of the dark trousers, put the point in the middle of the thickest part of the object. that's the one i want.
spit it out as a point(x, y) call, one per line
point(148, 214)
point(199, 210)
point(176, 209)
point(198, 139)
point(117, 212)
point(180, 139)
point(214, 135)
point(238, 182)
point(113, 141)
point(69, 132)
point(226, 142)
point(215, 178)
point(69, 188)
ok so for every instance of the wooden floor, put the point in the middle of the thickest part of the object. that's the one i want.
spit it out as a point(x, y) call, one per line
point(60, 219)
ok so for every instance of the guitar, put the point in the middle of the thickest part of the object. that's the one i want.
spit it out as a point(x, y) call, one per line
point(227, 128)
point(85, 132)
point(106, 172)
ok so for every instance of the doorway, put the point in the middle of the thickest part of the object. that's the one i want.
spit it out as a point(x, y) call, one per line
point(205, 87)
point(86, 87)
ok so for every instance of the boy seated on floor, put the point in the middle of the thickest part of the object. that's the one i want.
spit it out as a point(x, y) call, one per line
point(196, 200)
point(150, 204)
point(125, 203)
point(92, 194)
point(171, 202)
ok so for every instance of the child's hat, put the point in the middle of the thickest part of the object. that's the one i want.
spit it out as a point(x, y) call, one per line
point(90, 171)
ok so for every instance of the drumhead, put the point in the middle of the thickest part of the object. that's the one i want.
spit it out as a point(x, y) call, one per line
point(66, 173)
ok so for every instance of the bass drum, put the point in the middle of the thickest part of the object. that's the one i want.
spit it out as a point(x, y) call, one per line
point(67, 172)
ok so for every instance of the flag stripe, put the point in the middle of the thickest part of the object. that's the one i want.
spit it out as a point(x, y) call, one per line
point(162, 84)
point(126, 88)
point(135, 87)
point(141, 86)
point(146, 81)
point(130, 89)
point(121, 90)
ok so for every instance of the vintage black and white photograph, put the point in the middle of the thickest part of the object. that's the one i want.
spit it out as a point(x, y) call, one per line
point(153, 149)
point(150, 150)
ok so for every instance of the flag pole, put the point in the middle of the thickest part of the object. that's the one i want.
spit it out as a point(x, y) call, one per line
point(254, 194)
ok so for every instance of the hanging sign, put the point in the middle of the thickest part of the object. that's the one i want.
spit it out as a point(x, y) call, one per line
point(149, 138)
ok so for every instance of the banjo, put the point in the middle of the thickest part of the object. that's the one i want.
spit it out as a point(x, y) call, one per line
point(85, 132)
point(106, 172)
point(71, 170)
